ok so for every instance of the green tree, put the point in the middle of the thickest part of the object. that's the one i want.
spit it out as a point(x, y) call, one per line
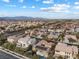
point(45, 37)
point(61, 37)
point(20, 50)
point(29, 48)
point(9, 46)
point(2, 39)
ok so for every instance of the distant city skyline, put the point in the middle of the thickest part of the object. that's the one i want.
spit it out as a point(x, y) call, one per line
point(55, 9)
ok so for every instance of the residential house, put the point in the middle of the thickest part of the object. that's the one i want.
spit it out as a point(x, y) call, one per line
point(51, 30)
point(54, 34)
point(70, 39)
point(59, 30)
point(77, 29)
point(43, 47)
point(70, 30)
point(25, 42)
point(66, 51)
point(13, 39)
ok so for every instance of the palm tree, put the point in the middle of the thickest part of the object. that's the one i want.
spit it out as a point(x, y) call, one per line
point(61, 37)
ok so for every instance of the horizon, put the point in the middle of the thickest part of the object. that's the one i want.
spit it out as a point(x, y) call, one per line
point(21, 17)
point(51, 9)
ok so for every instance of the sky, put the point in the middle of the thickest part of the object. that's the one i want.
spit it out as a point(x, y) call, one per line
point(55, 9)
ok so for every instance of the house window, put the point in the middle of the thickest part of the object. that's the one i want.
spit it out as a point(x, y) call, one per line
point(67, 53)
point(67, 56)
point(57, 51)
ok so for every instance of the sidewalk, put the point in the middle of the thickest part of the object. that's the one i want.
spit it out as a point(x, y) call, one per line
point(19, 56)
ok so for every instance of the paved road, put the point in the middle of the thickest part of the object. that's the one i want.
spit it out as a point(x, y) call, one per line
point(6, 56)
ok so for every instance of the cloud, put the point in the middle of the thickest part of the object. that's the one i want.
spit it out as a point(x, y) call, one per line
point(76, 13)
point(47, 1)
point(33, 7)
point(62, 5)
point(57, 8)
point(28, 7)
point(12, 5)
point(21, 1)
point(7, 1)
point(76, 3)
point(23, 6)
point(77, 7)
